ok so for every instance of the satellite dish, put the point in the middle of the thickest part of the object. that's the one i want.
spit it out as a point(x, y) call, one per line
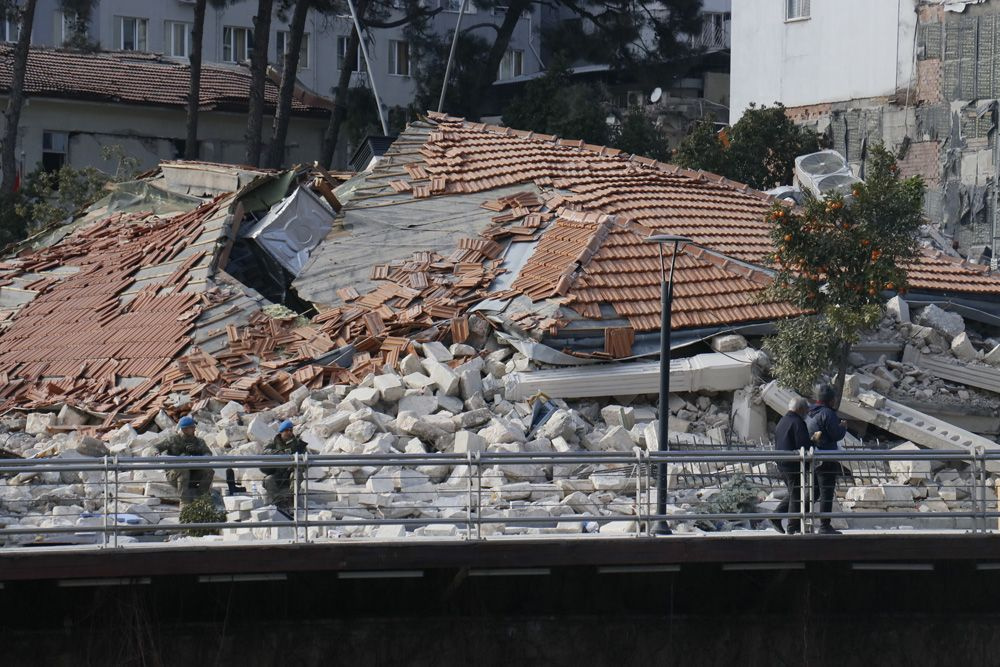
point(656, 95)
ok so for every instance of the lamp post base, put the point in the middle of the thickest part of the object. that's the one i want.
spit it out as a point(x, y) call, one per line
point(660, 528)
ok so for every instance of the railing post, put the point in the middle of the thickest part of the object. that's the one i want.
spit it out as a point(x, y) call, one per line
point(295, 497)
point(468, 504)
point(305, 494)
point(107, 503)
point(638, 492)
point(649, 492)
point(980, 489)
point(479, 495)
point(803, 499)
point(114, 523)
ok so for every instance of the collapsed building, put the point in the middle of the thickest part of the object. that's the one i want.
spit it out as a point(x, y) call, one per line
point(432, 297)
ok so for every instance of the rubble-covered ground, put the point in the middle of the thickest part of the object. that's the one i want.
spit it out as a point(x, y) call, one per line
point(453, 400)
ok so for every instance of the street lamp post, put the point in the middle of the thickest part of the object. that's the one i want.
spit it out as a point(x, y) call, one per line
point(663, 431)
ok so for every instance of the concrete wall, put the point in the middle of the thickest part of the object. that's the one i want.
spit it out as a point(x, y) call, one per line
point(847, 49)
point(322, 73)
point(145, 133)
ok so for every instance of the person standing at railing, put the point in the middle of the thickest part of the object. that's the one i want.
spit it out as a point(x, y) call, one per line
point(278, 481)
point(190, 482)
point(826, 429)
point(791, 435)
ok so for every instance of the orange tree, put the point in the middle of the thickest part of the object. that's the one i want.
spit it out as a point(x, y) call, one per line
point(841, 258)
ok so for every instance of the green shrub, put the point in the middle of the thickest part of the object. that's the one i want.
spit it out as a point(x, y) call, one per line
point(201, 510)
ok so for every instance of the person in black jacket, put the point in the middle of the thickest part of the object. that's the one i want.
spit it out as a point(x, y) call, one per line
point(791, 435)
point(826, 430)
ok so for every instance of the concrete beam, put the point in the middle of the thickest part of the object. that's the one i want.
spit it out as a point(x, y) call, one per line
point(896, 418)
point(713, 372)
point(971, 375)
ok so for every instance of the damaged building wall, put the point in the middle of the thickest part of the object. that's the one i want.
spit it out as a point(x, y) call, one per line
point(940, 122)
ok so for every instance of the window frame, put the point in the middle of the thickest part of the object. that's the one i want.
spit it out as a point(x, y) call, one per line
point(169, 29)
point(394, 57)
point(139, 22)
point(510, 58)
point(226, 45)
point(66, 27)
point(797, 10)
point(11, 31)
point(51, 151)
point(280, 42)
point(359, 66)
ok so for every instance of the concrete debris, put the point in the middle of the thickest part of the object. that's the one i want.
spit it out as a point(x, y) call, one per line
point(950, 324)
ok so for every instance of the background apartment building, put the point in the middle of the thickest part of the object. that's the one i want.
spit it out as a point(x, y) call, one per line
point(164, 26)
point(920, 76)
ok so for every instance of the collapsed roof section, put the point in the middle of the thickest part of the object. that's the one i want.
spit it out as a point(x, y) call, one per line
point(129, 310)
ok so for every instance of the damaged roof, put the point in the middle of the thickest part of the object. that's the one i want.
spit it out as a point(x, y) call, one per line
point(129, 77)
point(573, 221)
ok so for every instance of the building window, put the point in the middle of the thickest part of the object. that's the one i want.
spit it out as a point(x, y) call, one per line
point(399, 58)
point(178, 38)
point(282, 43)
point(512, 64)
point(359, 64)
point(11, 31)
point(456, 5)
point(796, 9)
point(130, 33)
point(237, 43)
point(55, 146)
point(68, 26)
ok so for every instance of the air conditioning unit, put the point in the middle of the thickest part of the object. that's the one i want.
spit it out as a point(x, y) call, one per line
point(824, 173)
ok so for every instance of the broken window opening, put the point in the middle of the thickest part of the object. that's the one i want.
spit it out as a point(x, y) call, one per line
point(252, 266)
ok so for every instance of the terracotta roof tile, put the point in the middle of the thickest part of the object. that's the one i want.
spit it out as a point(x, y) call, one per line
point(129, 77)
point(648, 196)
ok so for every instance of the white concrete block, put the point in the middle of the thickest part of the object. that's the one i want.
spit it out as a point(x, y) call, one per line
point(38, 423)
point(962, 347)
point(729, 343)
point(618, 415)
point(390, 387)
point(364, 395)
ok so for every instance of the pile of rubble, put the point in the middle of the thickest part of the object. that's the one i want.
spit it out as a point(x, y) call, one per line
point(441, 399)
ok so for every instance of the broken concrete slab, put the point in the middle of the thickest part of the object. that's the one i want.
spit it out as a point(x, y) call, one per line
point(948, 323)
point(970, 374)
point(962, 347)
point(898, 309)
point(749, 415)
point(729, 343)
point(898, 419)
point(712, 371)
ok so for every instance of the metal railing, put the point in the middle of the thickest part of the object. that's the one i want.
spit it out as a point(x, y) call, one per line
point(108, 501)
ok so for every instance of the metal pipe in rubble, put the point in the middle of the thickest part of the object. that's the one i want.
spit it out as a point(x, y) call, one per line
point(368, 65)
point(451, 54)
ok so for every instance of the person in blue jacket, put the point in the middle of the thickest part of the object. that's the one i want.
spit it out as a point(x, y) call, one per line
point(826, 429)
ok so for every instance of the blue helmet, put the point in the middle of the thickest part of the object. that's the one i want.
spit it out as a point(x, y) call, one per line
point(186, 421)
point(285, 426)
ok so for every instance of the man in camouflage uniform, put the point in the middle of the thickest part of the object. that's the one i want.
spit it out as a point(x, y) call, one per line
point(190, 482)
point(278, 481)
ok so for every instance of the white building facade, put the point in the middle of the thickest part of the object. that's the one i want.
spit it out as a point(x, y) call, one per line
point(921, 77)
